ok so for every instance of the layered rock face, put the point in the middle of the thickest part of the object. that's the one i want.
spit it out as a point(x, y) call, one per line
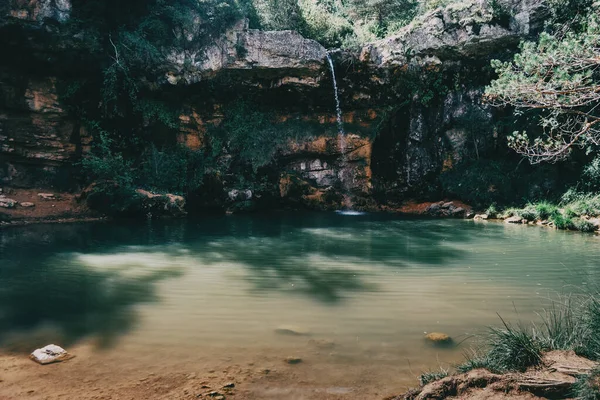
point(397, 139)
point(37, 137)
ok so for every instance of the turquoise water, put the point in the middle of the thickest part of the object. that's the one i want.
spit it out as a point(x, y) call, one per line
point(364, 289)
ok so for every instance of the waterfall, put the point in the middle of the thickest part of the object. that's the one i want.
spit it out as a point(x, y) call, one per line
point(338, 108)
point(347, 201)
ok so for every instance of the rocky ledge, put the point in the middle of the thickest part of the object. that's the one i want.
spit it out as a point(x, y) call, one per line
point(553, 379)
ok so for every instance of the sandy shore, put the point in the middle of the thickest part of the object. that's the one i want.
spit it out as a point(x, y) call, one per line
point(97, 374)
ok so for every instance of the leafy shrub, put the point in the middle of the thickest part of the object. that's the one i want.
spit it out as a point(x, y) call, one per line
point(583, 225)
point(530, 213)
point(591, 176)
point(545, 210)
point(492, 211)
point(174, 170)
point(486, 181)
point(582, 203)
point(562, 222)
point(105, 165)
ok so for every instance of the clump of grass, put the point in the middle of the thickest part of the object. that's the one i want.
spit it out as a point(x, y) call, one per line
point(582, 203)
point(475, 360)
point(587, 387)
point(513, 348)
point(511, 212)
point(545, 210)
point(530, 213)
point(432, 376)
point(562, 222)
point(563, 327)
point(583, 225)
point(591, 333)
point(492, 211)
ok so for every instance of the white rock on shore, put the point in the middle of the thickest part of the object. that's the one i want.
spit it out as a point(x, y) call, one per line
point(50, 354)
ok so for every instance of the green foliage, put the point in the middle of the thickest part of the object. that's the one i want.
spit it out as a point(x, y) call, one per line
point(105, 165)
point(569, 324)
point(475, 360)
point(328, 28)
point(174, 170)
point(492, 211)
point(486, 181)
point(587, 386)
point(591, 176)
point(545, 210)
point(432, 376)
point(251, 135)
point(556, 78)
point(381, 17)
point(513, 348)
point(581, 203)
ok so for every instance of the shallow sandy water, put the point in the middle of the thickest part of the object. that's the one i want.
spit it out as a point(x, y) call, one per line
point(159, 310)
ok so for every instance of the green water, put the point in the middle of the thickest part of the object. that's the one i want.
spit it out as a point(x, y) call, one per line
point(370, 286)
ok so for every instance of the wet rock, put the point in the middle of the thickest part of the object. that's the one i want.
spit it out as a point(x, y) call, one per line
point(50, 354)
point(513, 220)
point(458, 212)
point(448, 205)
point(46, 196)
point(162, 204)
point(438, 338)
point(433, 209)
point(470, 29)
point(5, 202)
point(240, 195)
point(27, 204)
point(292, 330)
point(481, 217)
point(293, 360)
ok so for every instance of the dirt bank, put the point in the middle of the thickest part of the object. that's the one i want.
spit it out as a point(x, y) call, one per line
point(35, 205)
point(554, 378)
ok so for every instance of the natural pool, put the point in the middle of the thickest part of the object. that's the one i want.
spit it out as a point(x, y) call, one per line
point(359, 291)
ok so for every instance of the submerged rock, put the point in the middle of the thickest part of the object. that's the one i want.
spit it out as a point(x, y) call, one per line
point(438, 338)
point(27, 204)
point(50, 354)
point(291, 330)
point(293, 360)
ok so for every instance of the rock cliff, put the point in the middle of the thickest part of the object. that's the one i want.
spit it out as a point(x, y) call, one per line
point(410, 101)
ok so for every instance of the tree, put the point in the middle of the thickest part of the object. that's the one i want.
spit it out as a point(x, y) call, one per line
point(558, 77)
point(383, 13)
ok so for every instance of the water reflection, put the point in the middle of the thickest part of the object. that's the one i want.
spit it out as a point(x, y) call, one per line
point(84, 280)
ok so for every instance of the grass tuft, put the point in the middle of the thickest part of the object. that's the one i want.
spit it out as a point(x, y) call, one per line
point(513, 348)
point(432, 376)
point(587, 387)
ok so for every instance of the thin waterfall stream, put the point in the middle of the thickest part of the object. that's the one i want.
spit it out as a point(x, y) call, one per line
point(338, 108)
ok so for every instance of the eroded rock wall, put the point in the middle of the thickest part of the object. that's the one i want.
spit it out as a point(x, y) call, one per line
point(398, 138)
